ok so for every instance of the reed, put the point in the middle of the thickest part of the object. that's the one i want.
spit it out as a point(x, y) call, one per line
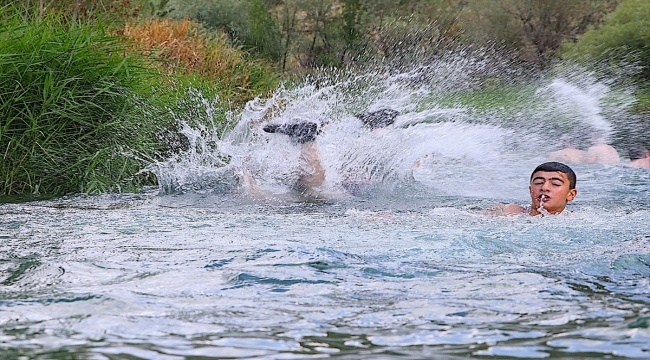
point(68, 109)
point(84, 109)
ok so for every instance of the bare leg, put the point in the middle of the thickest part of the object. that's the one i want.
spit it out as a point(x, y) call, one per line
point(312, 173)
point(249, 184)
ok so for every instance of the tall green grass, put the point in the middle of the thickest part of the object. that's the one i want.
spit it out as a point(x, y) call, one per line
point(68, 109)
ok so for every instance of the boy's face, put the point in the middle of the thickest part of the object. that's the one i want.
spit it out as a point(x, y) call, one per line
point(550, 189)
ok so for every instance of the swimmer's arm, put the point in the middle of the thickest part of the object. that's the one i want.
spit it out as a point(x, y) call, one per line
point(506, 210)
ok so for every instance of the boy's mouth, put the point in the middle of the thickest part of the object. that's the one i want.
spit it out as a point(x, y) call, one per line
point(543, 198)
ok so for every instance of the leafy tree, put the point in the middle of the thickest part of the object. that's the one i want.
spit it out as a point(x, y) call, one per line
point(312, 33)
point(263, 33)
point(624, 37)
point(320, 43)
point(535, 29)
point(405, 26)
point(351, 32)
point(288, 20)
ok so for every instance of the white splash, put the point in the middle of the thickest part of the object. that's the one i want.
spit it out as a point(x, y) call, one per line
point(582, 104)
point(436, 140)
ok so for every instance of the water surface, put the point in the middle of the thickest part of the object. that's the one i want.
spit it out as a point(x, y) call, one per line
point(410, 267)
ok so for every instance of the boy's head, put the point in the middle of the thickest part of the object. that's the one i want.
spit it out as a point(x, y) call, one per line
point(567, 140)
point(553, 166)
point(552, 186)
point(638, 152)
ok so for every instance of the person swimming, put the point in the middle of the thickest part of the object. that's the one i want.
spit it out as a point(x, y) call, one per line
point(569, 154)
point(639, 157)
point(552, 186)
point(600, 152)
point(311, 172)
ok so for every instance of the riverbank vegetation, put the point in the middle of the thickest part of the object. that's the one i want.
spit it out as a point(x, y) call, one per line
point(91, 88)
point(67, 106)
point(86, 105)
point(298, 35)
point(622, 45)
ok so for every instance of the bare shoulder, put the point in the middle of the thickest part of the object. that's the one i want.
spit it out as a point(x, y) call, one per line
point(603, 154)
point(569, 155)
point(506, 210)
point(514, 209)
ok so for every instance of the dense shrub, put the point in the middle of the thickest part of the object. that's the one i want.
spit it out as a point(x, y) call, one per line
point(84, 109)
point(183, 48)
point(68, 119)
point(248, 23)
point(623, 38)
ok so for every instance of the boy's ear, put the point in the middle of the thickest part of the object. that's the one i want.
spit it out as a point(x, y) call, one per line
point(572, 194)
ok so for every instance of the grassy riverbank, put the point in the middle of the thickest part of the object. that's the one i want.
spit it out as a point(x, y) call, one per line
point(84, 107)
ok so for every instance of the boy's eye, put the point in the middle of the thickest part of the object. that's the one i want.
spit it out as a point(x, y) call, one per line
point(556, 183)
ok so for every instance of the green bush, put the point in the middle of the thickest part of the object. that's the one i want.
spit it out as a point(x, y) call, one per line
point(190, 54)
point(623, 38)
point(248, 23)
point(69, 119)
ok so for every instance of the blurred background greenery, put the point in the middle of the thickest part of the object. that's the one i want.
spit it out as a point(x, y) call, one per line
point(90, 89)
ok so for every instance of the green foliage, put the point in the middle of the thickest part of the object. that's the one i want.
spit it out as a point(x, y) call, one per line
point(355, 31)
point(111, 12)
point(623, 38)
point(263, 32)
point(81, 111)
point(643, 100)
point(533, 29)
point(158, 9)
point(247, 22)
point(68, 113)
point(311, 34)
point(350, 14)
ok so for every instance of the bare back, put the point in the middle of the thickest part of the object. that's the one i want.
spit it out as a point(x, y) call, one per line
point(569, 155)
point(603, 154)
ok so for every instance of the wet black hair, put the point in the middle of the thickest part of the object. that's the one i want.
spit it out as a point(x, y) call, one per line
point(638, 152)
point(557, 166)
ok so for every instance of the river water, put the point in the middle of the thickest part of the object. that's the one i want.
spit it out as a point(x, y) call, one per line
point(410, 266)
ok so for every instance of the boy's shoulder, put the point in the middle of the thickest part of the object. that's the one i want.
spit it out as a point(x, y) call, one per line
point(506, 210)
point(514, 209)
